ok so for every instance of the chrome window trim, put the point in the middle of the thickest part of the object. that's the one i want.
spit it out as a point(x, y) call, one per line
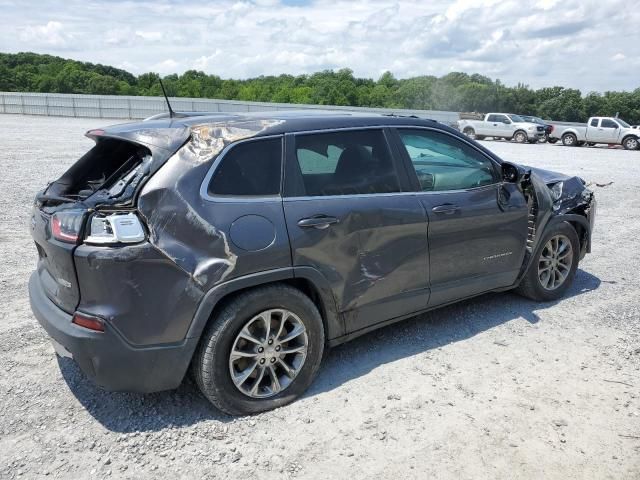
point(204, 186)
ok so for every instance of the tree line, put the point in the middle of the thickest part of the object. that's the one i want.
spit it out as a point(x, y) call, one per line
point(461, 92)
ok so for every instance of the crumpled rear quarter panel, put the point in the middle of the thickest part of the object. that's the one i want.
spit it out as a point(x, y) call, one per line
point(192, 233)
point(142, 293)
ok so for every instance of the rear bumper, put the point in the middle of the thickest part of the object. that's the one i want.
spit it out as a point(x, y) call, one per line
point(106, 358)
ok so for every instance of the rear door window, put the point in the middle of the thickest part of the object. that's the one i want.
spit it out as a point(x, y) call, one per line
point(442, 162)
point(349, 162)
point(594, 122)
point(251, 168)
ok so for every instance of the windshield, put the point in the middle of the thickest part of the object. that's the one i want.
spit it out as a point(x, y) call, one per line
point(623, 123)
point(515, 118)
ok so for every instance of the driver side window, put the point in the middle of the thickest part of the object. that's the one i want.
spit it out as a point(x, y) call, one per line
point(443, 162)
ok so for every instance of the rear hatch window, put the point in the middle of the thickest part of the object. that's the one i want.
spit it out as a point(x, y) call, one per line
point(113, 168)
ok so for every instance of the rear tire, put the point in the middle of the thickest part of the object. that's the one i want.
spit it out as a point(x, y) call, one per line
point(537, 283)
point(213, 362)
point(520, 136)
point(470, 132)
point(631, 143)
point(569, 140)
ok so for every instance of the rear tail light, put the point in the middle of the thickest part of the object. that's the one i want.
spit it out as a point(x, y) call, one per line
point(88, 321)
point(115, 228)
point(66, 225)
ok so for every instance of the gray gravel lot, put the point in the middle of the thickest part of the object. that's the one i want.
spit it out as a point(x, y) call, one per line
point(497, 387)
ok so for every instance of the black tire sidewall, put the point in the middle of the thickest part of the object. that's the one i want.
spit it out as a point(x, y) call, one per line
point(227, 396)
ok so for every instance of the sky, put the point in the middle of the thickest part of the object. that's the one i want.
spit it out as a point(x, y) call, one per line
point(593, 45)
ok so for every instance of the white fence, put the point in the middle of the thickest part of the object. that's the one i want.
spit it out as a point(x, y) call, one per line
point(116, 106)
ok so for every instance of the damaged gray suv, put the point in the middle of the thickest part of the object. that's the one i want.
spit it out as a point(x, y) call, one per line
point(239, 247)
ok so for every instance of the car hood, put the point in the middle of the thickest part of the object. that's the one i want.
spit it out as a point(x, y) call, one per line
point(547, 176)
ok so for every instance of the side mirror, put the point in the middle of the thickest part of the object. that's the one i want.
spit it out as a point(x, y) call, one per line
point(512, 173)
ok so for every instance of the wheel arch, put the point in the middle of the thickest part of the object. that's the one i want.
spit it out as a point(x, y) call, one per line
point(306, 279)
point(521, 130)
point(630, 135)
point(578, 222)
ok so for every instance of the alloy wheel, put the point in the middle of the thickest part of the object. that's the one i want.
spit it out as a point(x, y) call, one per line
point(631, 144)
point(555, 262)
point(268, 353)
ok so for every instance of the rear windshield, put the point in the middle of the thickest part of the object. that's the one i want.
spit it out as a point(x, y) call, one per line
point(112, 165)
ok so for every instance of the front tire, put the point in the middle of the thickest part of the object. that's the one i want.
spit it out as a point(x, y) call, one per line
point(631, 143)
point(554, 266)
point(520, 137)
point(261, 351)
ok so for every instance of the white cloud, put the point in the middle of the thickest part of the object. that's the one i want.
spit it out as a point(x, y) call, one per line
point(51, 34)
point(549, 42)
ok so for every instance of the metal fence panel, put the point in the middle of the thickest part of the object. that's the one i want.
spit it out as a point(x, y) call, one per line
point(127, 107)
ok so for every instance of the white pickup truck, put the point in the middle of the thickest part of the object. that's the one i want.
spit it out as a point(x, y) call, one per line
point(502, 125)
point(599, 130)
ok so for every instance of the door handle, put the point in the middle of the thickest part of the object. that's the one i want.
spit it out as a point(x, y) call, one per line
point(446, 209)
point(319, 221)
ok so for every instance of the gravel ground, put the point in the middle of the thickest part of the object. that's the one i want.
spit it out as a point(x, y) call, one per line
point(497, 387)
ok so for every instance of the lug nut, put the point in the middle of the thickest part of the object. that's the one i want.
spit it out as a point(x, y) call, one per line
point(278, 348)
point(270, 341)
point(260, 349)
point(262, 361)
point(273, 360)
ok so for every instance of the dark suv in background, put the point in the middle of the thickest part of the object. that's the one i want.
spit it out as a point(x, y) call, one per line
point(548, 128)
point(243, 245)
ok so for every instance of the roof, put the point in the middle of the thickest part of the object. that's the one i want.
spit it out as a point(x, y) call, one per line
point(281, 121)
point(204, 130)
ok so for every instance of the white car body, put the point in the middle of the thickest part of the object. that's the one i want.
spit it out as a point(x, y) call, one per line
point(609, 130)
point(502, 125)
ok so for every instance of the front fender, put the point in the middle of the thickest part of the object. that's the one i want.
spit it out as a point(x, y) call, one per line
point(568, 218)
